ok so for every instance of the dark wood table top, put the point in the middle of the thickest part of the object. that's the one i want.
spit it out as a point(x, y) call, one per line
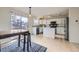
point(6, 34)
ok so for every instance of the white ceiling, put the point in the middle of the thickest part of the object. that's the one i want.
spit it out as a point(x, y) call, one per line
point(42, 11)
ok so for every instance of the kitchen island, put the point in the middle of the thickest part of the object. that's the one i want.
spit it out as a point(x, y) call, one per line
point(49, 32)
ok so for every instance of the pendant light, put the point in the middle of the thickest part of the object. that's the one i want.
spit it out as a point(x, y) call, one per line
point(29, 11)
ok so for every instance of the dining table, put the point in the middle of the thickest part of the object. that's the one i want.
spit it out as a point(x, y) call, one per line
point(12, 33)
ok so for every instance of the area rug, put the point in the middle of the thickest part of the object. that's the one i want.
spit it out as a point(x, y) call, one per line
point(13, 48)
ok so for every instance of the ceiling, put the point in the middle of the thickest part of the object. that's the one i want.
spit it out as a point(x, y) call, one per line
point(43, 11)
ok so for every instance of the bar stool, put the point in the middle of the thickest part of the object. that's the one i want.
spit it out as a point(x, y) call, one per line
point(28, 41)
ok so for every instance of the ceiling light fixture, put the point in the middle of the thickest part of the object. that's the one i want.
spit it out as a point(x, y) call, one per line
point(29, 11)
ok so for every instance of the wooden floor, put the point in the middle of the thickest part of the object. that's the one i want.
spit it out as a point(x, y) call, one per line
point(56, 45)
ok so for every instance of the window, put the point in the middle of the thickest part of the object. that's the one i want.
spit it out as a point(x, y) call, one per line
point(19, 22)
point(24, 22)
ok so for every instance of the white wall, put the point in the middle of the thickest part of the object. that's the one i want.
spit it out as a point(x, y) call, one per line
point(4, 19)
point(73, 25)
